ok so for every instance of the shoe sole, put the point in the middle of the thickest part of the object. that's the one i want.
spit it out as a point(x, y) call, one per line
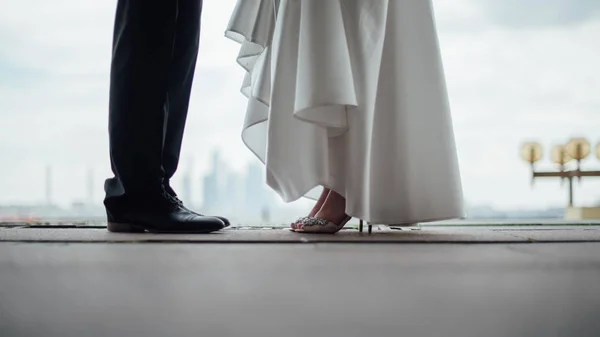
point(119, 227)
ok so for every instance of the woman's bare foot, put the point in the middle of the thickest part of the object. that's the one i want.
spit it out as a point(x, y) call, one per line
point(330, 218)
point(315, 209)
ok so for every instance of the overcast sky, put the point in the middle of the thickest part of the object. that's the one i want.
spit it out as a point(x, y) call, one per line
point(516, 69)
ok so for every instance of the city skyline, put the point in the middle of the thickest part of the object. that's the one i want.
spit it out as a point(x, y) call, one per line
point(194, 186)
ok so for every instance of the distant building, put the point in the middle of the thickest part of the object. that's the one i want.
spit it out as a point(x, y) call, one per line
point(213, 185)
point(49, 185)
point(240, 195)
point(209, 192)
point(186, 188)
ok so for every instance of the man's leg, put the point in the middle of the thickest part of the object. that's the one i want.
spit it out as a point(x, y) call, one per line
point(140, 75)
point(183, 64)
point(142, 47)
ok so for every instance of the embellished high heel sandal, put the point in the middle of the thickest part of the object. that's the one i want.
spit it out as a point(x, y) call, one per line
point(316, 225)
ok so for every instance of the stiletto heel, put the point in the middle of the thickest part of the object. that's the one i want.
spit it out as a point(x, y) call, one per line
point(360, 226)
point(370, 227)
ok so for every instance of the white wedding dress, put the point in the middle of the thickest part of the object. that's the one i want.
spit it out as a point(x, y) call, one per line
point(350, 95)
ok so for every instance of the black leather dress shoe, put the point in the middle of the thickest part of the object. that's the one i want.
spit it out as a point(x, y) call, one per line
point(222, 218)
point(173, 195)
point(160, 216)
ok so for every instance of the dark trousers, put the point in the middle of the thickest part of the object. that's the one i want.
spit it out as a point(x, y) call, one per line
point(155, 46)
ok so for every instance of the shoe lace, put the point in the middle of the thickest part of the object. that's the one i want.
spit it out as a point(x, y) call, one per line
point(177, 200)
point(173, 201)
point(172, 198)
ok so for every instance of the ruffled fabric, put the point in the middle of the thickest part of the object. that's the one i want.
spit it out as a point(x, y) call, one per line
point(251, 25)
point(350, 95)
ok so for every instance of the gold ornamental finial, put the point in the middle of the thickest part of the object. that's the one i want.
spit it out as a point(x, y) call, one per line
point(531, 152)
point(578, 148)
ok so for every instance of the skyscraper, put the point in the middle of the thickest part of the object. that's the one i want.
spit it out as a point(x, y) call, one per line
point(258, 196)
point(212, 188)
point(254, 187)
point(186, 188)
point(48, 185)
point(232, 198)
point(209, 192)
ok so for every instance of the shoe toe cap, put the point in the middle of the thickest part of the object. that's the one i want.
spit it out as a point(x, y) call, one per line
point(225, 221)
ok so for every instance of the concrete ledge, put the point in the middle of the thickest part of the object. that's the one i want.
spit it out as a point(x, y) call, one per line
point(280, 235)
